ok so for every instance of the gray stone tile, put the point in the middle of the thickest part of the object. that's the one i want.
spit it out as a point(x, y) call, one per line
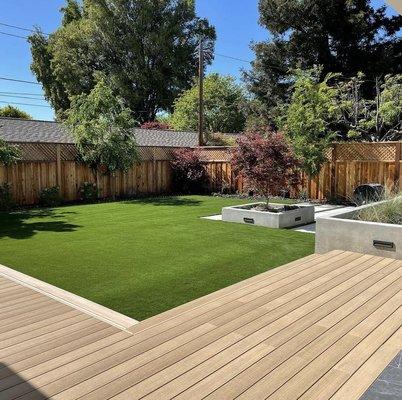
point(388, 386)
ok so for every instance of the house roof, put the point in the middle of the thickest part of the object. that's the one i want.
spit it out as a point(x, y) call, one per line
point(30, 131)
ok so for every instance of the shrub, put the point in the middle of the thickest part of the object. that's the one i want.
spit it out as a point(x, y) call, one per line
point(6, 198)
point(389, 212)
point(50, 197)
point(189, 174)
point(9, 154)
point(157, 125)
point(88, 192)
point(267, 163)
point(221, 139)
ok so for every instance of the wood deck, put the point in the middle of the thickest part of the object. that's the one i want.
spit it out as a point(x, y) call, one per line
point(323, 327)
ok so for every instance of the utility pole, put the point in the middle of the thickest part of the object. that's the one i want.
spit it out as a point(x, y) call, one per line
point(201, 93)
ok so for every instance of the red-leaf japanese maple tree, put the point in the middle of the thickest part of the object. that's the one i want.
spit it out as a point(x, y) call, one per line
point(266, 161)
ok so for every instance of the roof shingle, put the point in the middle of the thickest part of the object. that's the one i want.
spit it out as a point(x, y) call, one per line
point(30, 131)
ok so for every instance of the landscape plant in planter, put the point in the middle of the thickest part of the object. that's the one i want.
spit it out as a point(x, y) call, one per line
point(269, 165)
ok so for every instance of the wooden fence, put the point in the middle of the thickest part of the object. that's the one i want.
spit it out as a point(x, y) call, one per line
point(349, 165)
point(47, 165)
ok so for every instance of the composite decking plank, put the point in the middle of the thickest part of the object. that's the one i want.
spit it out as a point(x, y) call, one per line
point(47, 371)
point(327, 385)
point(137, 373)
point(280, 282)
point(261, 337)
point(272, 315)
point(67, 344)
point(313, 371)
point(11, 289)
point(20, 311)
point(43, 340)
point(22, 318)
point(361, 380)
point(286, 376)
point(302, 332)
point(23, 342)
point(34, 318)
point(36, 328)
point(221, 294)
point(28, 297)
point(119, 367)
point(225, 361)
point(127, 353)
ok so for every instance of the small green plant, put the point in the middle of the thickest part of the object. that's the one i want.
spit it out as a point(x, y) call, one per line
point(88, 192)
point(6, 197)
point(9, 154)
point(50, 197)
point(388, 212)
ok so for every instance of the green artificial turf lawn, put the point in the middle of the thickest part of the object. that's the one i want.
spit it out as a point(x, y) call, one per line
point(142, 257)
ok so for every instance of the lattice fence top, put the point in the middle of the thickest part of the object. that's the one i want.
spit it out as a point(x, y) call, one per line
point(344, 152)
point(215, 154)
point(46, 151)
point(68, 152)
point(366, 151)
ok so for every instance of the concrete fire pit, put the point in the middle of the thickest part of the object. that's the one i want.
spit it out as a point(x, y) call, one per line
point(246, 214)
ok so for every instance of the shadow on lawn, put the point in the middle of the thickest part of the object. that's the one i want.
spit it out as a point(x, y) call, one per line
point(166, 201)
point(17, 225)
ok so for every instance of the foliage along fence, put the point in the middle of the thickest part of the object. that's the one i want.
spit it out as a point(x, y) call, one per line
point(47, 165)
point(349, 165)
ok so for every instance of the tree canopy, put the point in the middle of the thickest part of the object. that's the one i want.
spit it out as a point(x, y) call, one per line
point(266, 161)
point(146, 49)
point(13, 112)
point(102, 128)
point(223, 100)
point(342, 36)
point(308, 122)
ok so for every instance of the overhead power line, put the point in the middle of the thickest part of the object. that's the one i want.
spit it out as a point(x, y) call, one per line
point(233, 58)
point(3, 78)
point(20, 28)
point(23, 94)
point(21, 97)
point(24, 104)
point(11, 34)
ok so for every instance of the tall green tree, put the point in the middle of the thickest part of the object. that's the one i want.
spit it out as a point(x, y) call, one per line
point(223, 100)
point(312, 109)
point(102, 128)
point(343, 36)
point(13, 112)
point(147, 50)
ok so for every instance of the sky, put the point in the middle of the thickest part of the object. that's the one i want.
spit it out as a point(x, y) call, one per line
point(236, 22)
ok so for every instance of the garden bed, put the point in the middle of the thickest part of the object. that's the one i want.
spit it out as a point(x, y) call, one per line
point(362, 230)
point(272, 216)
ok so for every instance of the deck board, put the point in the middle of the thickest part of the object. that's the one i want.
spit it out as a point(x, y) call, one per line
point(322, 327)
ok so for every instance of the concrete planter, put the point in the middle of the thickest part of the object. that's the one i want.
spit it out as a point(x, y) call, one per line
point(342, 232)
point(287, 219)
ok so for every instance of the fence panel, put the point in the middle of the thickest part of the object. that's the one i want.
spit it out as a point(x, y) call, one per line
point(349, 165)
point(28, 179)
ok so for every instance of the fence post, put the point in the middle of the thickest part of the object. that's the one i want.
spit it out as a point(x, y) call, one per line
point(58, 166)
point(398, 156)
point(333, 170)
point(154, 171)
